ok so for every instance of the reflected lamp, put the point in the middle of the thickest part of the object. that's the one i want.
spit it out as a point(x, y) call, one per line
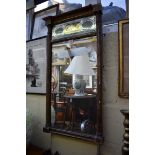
point(79, 67)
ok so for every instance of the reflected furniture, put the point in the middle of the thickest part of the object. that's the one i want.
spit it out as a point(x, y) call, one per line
point(82, 109)
point(59, 108)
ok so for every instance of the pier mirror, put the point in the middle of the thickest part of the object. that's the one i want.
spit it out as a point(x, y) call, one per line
point(74, 74)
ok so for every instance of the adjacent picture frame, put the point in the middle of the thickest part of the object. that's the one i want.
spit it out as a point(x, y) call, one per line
point(123, 38)
point(29, 22)
point(127, 8)
point(30, 4)
point(36, 66)
point(39, 28)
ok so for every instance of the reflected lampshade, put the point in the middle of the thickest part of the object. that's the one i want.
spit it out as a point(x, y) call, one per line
point(80, 65)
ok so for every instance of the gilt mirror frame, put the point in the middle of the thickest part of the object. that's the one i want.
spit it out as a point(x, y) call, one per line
point(51, 21)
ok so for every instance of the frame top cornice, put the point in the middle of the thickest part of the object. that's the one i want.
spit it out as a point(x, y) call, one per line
point(74, 14)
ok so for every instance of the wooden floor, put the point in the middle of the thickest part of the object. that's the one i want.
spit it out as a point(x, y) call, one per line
point(33, 150)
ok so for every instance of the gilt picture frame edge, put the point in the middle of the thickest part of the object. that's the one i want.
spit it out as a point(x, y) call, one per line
point(121, 85)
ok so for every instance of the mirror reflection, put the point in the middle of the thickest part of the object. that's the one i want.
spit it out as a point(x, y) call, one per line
point(74, 85)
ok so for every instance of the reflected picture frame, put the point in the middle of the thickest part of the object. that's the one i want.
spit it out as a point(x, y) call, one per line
point(123, 48)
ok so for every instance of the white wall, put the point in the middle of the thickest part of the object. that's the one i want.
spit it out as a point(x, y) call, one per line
point(72, 146)
point(112, 118)
point(37, 107)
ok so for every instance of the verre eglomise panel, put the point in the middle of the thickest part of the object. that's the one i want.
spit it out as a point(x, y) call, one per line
point(76, 27)
point(61, 82)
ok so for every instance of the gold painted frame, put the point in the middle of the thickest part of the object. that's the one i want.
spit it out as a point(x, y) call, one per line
point(123, 38)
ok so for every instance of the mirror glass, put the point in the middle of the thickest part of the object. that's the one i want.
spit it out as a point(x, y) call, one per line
point(74, 112)
point(62, 55)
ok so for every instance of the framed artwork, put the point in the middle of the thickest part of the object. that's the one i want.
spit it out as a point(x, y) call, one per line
point(123, 36)
point(36, 66)
point(127, 8)
point(39, 28)
point(29, 4)
point(60, 56)
point(29, 21)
